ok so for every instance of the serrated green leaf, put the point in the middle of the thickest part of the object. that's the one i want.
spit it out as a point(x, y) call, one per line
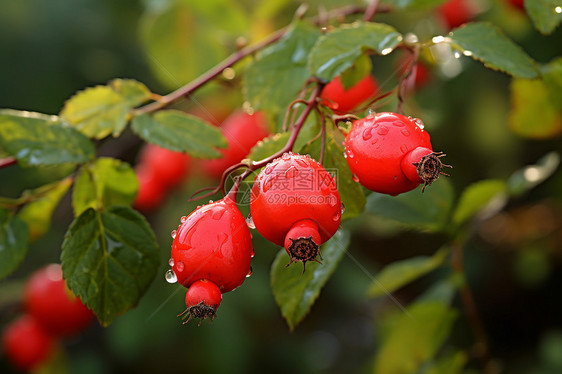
point(552, 78)
point(180, 132)
point(268, 146)
point(530, 176)
point(533, 114)
point(400, 273)
point(486, 43)
point(351, 193)
point(415, 337)
point(427, 211)
point(109, 259)
point(35, 139)
point(180, 39)
point(477, 197)
point(295, 292)
point(103, 184)
point(134, 92)
point(37, 214)
point(14, 237)
point(337, 51)
point(543, 14)
point(96, 112)
point(273, 80)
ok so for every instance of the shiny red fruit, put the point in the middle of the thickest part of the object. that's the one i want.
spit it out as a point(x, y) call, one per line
point(518, 4)
point(202, 300)
point(391, 153)
point(170, 168)
point(295, 203)
point(52, 304)
point(213, 243)
point(26, 344)
point(455, 13)
point(242, 131)
point(151, 192)
point(335, 96)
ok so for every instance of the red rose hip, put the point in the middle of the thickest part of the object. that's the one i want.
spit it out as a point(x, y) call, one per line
point(341, 100)
point(391, 153)
point(202, 300)
point(295, 204)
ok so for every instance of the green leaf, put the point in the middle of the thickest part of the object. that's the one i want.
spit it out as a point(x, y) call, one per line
point(268, 146)
point(337, 51)
point(37, 214)
point(103, 184)
point(427, 211)
point(415, 338)
point(13, 242)
point(552, 78)
point(186, 38)
point(486, 43)
point(295, 292)
point(180, 132)
point(351, 193)
point(401, 273)
point(36, 139)
point(533, 114)
point(543, 14)
point(134, 92)
point(273, 80)
point(109, 259)
point(477, 197)
point(530, 176)
point(359, 70)
point(96, 112)
point(451, 363)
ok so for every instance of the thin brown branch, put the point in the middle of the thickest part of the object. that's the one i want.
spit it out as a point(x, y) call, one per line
point(371, 10)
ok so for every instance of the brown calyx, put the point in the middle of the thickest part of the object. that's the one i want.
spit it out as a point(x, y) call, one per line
point(430, 167)
point(303, 250)
point(201, 311)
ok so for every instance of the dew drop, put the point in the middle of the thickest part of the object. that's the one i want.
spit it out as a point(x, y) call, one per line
point(350, 154)
point(286, 156)
point(250, 222)
point(336, 216)
point(211, 201)
point(171, 262)
point(180, 266)
point(183, 219)
point(269, 168)
point(342, 208)
point(419, 123)
point(404, 148)
point(345, 155)
point(405, 132)
point(291, 172)
point(249, 272)
point(383, 130)
point(252, 254)
point(399, 123)
point(368, 133)
point(355, 178)
point(171, 276)
point(173, 233)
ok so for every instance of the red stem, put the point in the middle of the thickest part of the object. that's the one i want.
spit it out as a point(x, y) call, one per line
point(8, 161)
point(371, 10)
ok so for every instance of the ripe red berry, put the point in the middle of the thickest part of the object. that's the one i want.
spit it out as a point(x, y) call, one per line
point(335, 96)
point(295, 203)
point(242, 131)
point(26, 344)
point(202, 300)
point(52, 304)
point(391, 153)
point(520, 4)
point(151, 192)
point(419, 69)
point(213, 243)
point(170, 168)
point(455, 13)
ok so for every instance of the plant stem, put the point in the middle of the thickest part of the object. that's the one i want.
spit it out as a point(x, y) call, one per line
point(8, 161)
point(408, 80)
point(371, 10)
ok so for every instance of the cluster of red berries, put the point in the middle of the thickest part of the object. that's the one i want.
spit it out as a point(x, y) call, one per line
point(51, 312)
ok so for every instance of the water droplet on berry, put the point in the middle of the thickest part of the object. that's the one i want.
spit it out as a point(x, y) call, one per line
point(399, 123)
point(336, 216)
point(218, 213)
point(345, 155)
point(173, 233)
point(250, 222)
point(405, 132)
point(342, 208)
point(171, 276)
point(370, 111)
point(301, 162)
point(291, 172)
point(419, 123)
point(350, 154)
point(404, 148)
point(180, 266)
point(183, 219)
point(355, 178)
point(268, 169)
point(211, 201)
point(383, 130)
point(367, 133)
point(252, 254)
point(286, 156)
point(249, 272)
point(171, 262)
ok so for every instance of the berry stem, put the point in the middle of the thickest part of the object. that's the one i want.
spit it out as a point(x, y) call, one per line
point(371, 10)
point(8, 161)
point(408, 78)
